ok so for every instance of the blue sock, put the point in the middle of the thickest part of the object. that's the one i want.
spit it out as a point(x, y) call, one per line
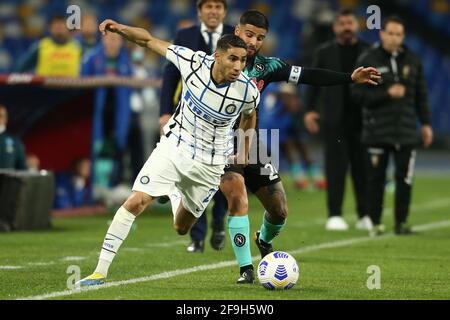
point(239, 229)
point(269, 231)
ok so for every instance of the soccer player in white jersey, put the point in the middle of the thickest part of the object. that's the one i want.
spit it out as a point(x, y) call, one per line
point(190, 158)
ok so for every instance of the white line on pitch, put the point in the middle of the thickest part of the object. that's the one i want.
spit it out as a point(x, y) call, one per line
point(166, 244)
point(223, 264)
point(73, 258)
point(436, 204)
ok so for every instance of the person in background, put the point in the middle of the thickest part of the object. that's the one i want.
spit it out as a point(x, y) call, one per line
point(33, 163)
point(73, 188)
point(138, 102)
point(340, 123)
point(112, 110)
point(391, 112)
point(12, 151)
point(6, 51)
point(88, 37)
point(57, 55)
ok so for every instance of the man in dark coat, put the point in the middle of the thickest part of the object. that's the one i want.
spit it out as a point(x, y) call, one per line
point(340, 123)
point(391, 111)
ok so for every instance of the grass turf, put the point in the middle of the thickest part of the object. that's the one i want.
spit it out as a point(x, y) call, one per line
point(412, 267)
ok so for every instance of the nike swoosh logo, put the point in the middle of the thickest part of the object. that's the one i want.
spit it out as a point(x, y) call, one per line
point(192, 82)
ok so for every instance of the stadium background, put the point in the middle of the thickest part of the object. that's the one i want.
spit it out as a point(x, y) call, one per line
point(297, 28)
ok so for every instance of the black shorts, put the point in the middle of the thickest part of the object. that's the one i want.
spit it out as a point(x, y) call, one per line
point(256, 175)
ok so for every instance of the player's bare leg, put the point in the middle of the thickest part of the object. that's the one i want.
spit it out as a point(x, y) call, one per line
point(137, 202)
point(273, 198)
point(184, 220)
point(116, 234)
point(232, 186)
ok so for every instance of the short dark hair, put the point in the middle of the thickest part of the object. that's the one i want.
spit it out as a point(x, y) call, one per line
point(230, 41)
point(344, 12)
point(255, 18)
point(395, 19)
point(200, 3)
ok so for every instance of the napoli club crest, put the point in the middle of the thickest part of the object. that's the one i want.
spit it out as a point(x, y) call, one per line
point(239, 240)
point(259, 67)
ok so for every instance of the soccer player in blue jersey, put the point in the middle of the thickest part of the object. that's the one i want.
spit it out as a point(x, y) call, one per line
point(190, 158)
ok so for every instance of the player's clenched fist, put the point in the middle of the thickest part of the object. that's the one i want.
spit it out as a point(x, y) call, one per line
point(137, 35)
point(109, 25)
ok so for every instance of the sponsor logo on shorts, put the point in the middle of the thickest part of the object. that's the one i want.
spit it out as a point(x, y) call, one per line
point(144, 180)
point(239, 240)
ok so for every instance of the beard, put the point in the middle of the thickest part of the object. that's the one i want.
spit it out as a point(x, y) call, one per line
point(253, 54)
point(347, 35)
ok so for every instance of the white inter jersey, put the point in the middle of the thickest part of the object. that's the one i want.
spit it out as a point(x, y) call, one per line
point(203, 121)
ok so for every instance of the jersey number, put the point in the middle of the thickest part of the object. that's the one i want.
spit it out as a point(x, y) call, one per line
point(273, 173)
point(211, 192)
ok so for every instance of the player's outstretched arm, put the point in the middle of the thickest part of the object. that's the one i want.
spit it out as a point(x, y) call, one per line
point(325, 77)
point(139, 36)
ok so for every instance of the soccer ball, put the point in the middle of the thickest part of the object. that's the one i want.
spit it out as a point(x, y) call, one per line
point(278, 270)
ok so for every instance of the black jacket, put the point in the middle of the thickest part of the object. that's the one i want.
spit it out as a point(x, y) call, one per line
point(387, 121)
point(335, 112)
point(191, 38)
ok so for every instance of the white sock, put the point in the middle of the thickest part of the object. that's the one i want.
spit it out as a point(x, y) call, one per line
point(117, 232)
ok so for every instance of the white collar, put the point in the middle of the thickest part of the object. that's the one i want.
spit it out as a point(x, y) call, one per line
point(218, 30)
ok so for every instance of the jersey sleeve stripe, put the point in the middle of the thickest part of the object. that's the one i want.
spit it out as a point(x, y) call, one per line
point(295, 74)
point(179, 55)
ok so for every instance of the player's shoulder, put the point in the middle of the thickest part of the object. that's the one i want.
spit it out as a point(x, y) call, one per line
point(265, 59)
point(186, 52)
point(246, 81)
point(249, 87)
point(202, 58)
point(268, 64)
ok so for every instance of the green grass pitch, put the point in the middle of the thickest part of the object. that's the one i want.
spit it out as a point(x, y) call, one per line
point(153, 262)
